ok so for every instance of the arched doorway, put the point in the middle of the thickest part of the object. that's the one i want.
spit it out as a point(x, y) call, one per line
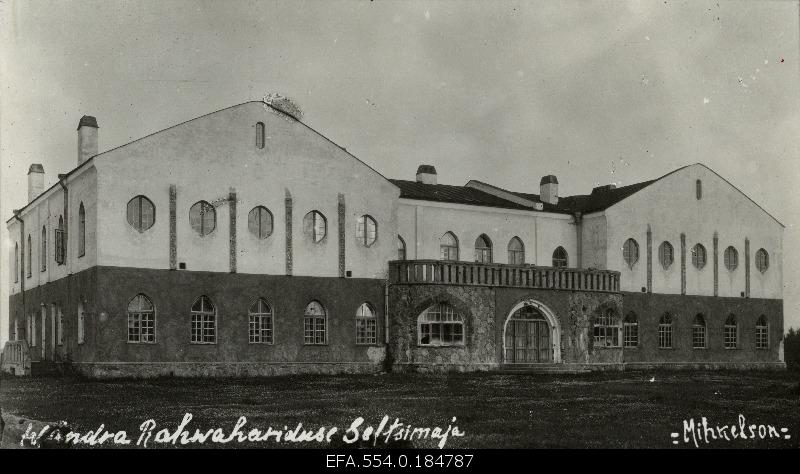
point(531, 335)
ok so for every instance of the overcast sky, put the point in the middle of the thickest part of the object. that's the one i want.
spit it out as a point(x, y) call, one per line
point(505, 92)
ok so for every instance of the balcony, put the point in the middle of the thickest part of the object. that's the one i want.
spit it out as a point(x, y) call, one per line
point(443, 272)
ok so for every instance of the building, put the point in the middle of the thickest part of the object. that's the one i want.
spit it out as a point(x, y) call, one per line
point(243, 242)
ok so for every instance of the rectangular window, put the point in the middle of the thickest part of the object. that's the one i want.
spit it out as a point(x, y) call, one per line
point(314, 330)
point(204, 328)
point(81, 321)
point(141, 327)
point(762, 337)
point(60, 246)
point(730, 337)
point(631, 334)
point(665, 336)
point(60, 329)
point(33, 330)
point(698, 337)
point(606, 333)
point(260, 329)
point(366, 331)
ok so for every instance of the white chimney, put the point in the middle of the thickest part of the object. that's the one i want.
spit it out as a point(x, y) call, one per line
point(87, 138)
point(426, 174)
point(35, 181)
point(548, 189)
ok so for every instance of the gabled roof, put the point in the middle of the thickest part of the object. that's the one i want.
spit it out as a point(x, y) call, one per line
point(452, 194)
point(600, 199)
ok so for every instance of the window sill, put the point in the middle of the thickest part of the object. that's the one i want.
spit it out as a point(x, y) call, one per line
point(313, 345)
point(608, 347)
point(262, 343)
point(139, 343)
point(699, 348)
point(441, 345)
point(666, 348)
point(202, 343)
point(630, 347)
point(368, 344)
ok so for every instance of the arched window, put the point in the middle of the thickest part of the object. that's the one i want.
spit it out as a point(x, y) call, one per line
point(699, 332)
point(81, 322)
point(315, 324)
point(560, 258)
point(366, 325)
point(81, 231)
point(401, 248)
point(699, 256)
point(731, 332)
point(260, 135)
point(141, 213)
point(606, 330)
point(483, 249)
point(731, 257)
point(630, 333)
point(698, 185)
point(30, 257)
point(762, 260)
point(315, 226)
point(440, 325)
point(516, 252)
point(448, 246)
point(666, 254)
point(366, 230)
point(141, 320)
point(261, 321)
point(16, 262)
point(43, 253)
point(665, 332)
point(204, 321)
point(259, 222)
point(203, 217)
point(762, 333)
point(630, 252)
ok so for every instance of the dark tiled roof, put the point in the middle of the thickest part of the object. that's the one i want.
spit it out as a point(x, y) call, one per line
point(601, 198)
point(452, 194)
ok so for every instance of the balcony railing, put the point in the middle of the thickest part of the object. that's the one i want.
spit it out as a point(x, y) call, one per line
point(444, 272)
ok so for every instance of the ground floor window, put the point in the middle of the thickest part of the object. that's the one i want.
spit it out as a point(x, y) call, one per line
point(204, 321)
point(141, 320)
point(315, 322)
point(440, 325)
point(665, 332)
point(366, 325)
point(731, 332)
point(606, 331)
point(699, 332)
point(630, 328)
point(762, 333)
point(260, 322)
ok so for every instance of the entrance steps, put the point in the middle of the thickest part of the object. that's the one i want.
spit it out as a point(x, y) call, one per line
point(543, 368)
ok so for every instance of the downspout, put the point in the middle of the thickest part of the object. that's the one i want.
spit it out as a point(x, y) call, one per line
point(62, 180)
point(386, 312)
point(578, 221)
point(22, 266)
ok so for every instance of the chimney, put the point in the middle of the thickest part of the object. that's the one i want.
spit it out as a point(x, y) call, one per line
point(426, 174)
point(87, 138)
point(35, 181)
point(604, 189)
point(548, 189)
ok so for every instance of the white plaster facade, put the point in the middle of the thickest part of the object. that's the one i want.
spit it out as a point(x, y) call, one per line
point(207, 158)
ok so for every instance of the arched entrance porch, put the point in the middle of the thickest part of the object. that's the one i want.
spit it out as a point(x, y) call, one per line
point(531, 334)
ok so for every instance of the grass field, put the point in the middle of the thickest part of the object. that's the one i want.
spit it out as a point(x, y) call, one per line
point(601, 410)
